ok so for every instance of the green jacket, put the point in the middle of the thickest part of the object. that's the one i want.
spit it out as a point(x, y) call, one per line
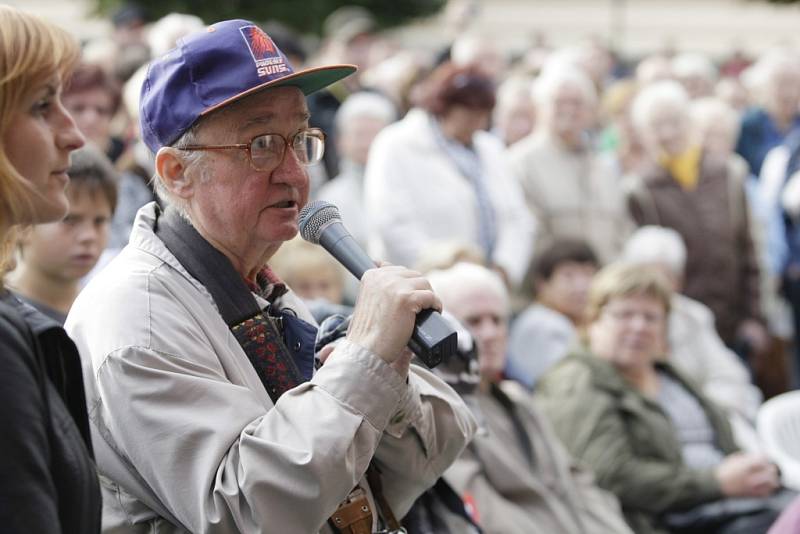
point(627, 439)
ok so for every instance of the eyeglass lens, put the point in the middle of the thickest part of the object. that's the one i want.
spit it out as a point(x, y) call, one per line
point(266, 150)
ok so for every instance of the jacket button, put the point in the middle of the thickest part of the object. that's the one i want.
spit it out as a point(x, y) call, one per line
point(297, 346)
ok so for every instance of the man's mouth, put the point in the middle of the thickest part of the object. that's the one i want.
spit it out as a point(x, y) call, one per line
point(285, 204)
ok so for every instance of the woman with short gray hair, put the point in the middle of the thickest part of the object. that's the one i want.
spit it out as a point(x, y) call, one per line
point(569, 188)
point(693, 191)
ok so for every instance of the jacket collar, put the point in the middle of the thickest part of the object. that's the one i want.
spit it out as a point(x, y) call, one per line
point(38, 322)
point(605, 376)
point(144, 238)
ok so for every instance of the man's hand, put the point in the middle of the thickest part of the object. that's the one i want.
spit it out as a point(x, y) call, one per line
point(747, 475)
point(388, 303)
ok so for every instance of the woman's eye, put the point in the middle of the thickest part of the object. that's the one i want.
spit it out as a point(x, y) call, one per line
point(42, 106)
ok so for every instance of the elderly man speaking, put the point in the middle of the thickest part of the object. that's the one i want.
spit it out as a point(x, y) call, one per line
point(207, 414)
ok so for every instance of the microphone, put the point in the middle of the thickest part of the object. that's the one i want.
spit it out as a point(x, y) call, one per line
point(433, 338)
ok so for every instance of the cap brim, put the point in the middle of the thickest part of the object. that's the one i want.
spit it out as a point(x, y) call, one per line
point(308, 81)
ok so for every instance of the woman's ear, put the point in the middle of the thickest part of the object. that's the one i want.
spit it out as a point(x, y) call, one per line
point(171, 170)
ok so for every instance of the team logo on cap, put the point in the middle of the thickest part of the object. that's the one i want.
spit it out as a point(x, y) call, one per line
point(265, 54)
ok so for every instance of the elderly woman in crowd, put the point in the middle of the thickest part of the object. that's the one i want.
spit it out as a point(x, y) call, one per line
point(515, 115)
point(362, 116)
point(692, 190)
point(693, 345)
point(569, 188)
point(48, 481)
point(436, 176)
point(650, 435)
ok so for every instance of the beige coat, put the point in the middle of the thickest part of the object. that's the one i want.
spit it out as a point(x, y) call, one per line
point(187, 438)
point(572, 194)
point(512, 495)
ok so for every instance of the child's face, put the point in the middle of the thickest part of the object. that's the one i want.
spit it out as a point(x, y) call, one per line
point(69, 249)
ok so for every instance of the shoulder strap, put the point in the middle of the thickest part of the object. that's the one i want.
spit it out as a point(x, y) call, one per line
point(257, 332)
point(208, 266)
point(522, 434)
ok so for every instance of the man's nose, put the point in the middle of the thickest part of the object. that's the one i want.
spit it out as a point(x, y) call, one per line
point(290, 172)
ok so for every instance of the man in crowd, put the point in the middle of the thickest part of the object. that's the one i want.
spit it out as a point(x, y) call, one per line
point(515, 475)
point(206, 411)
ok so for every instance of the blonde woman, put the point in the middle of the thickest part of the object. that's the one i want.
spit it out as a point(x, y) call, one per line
point(649, 434)
point(48, 481)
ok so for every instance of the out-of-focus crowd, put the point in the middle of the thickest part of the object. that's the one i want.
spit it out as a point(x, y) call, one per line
point(620, 236)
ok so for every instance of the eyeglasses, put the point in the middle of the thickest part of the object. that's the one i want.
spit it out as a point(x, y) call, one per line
point(623, 315)
point(266, 151)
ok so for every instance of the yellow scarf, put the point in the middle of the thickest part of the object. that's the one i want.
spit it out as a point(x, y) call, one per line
point(684, 168)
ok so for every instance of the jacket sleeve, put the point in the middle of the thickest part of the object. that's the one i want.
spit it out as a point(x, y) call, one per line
point(28, 501)
point(593, 430)
point(220, 460)
point(424, 436)
point(601, 509)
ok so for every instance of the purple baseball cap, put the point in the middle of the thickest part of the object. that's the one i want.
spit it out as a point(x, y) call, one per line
point(207, 70)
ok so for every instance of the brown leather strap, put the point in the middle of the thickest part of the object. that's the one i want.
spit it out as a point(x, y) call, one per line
point(374, 479)
point(354, 515)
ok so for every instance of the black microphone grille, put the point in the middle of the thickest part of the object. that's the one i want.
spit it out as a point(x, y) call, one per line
point(314, 217)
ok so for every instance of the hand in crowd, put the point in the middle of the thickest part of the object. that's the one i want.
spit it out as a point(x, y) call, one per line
point(747, 475)
point(388, 302)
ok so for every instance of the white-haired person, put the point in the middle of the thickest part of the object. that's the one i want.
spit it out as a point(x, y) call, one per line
point(570, 190)
point(437, 176)
point(358, 121)
point(514, 114)
point(696, 72)
point(693, 191)
point(774, 83)
point(693, 345)
point(515, 475)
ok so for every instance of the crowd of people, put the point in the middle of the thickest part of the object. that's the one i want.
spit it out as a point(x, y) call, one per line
point(616, 241)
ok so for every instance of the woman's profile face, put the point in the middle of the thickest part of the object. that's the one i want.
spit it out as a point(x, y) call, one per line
point(38, 143)
point(629, 332)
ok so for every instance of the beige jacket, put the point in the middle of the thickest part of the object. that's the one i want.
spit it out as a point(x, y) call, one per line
point(187, 438)
point(512, 495)
point(572, 194)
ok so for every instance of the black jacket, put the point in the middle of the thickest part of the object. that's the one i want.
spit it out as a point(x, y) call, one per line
point(48, 480)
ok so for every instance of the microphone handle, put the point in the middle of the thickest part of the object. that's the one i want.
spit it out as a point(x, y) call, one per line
point(433, 339)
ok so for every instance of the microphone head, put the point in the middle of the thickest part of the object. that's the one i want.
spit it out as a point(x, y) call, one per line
point(314, 217)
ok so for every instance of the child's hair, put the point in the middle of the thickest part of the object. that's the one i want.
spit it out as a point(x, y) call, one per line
point(91, 172)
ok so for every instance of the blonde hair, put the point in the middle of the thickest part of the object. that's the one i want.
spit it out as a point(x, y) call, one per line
point(621, 280)
point(31, 50)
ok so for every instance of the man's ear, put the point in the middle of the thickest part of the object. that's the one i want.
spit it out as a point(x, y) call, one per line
point(171, 167)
